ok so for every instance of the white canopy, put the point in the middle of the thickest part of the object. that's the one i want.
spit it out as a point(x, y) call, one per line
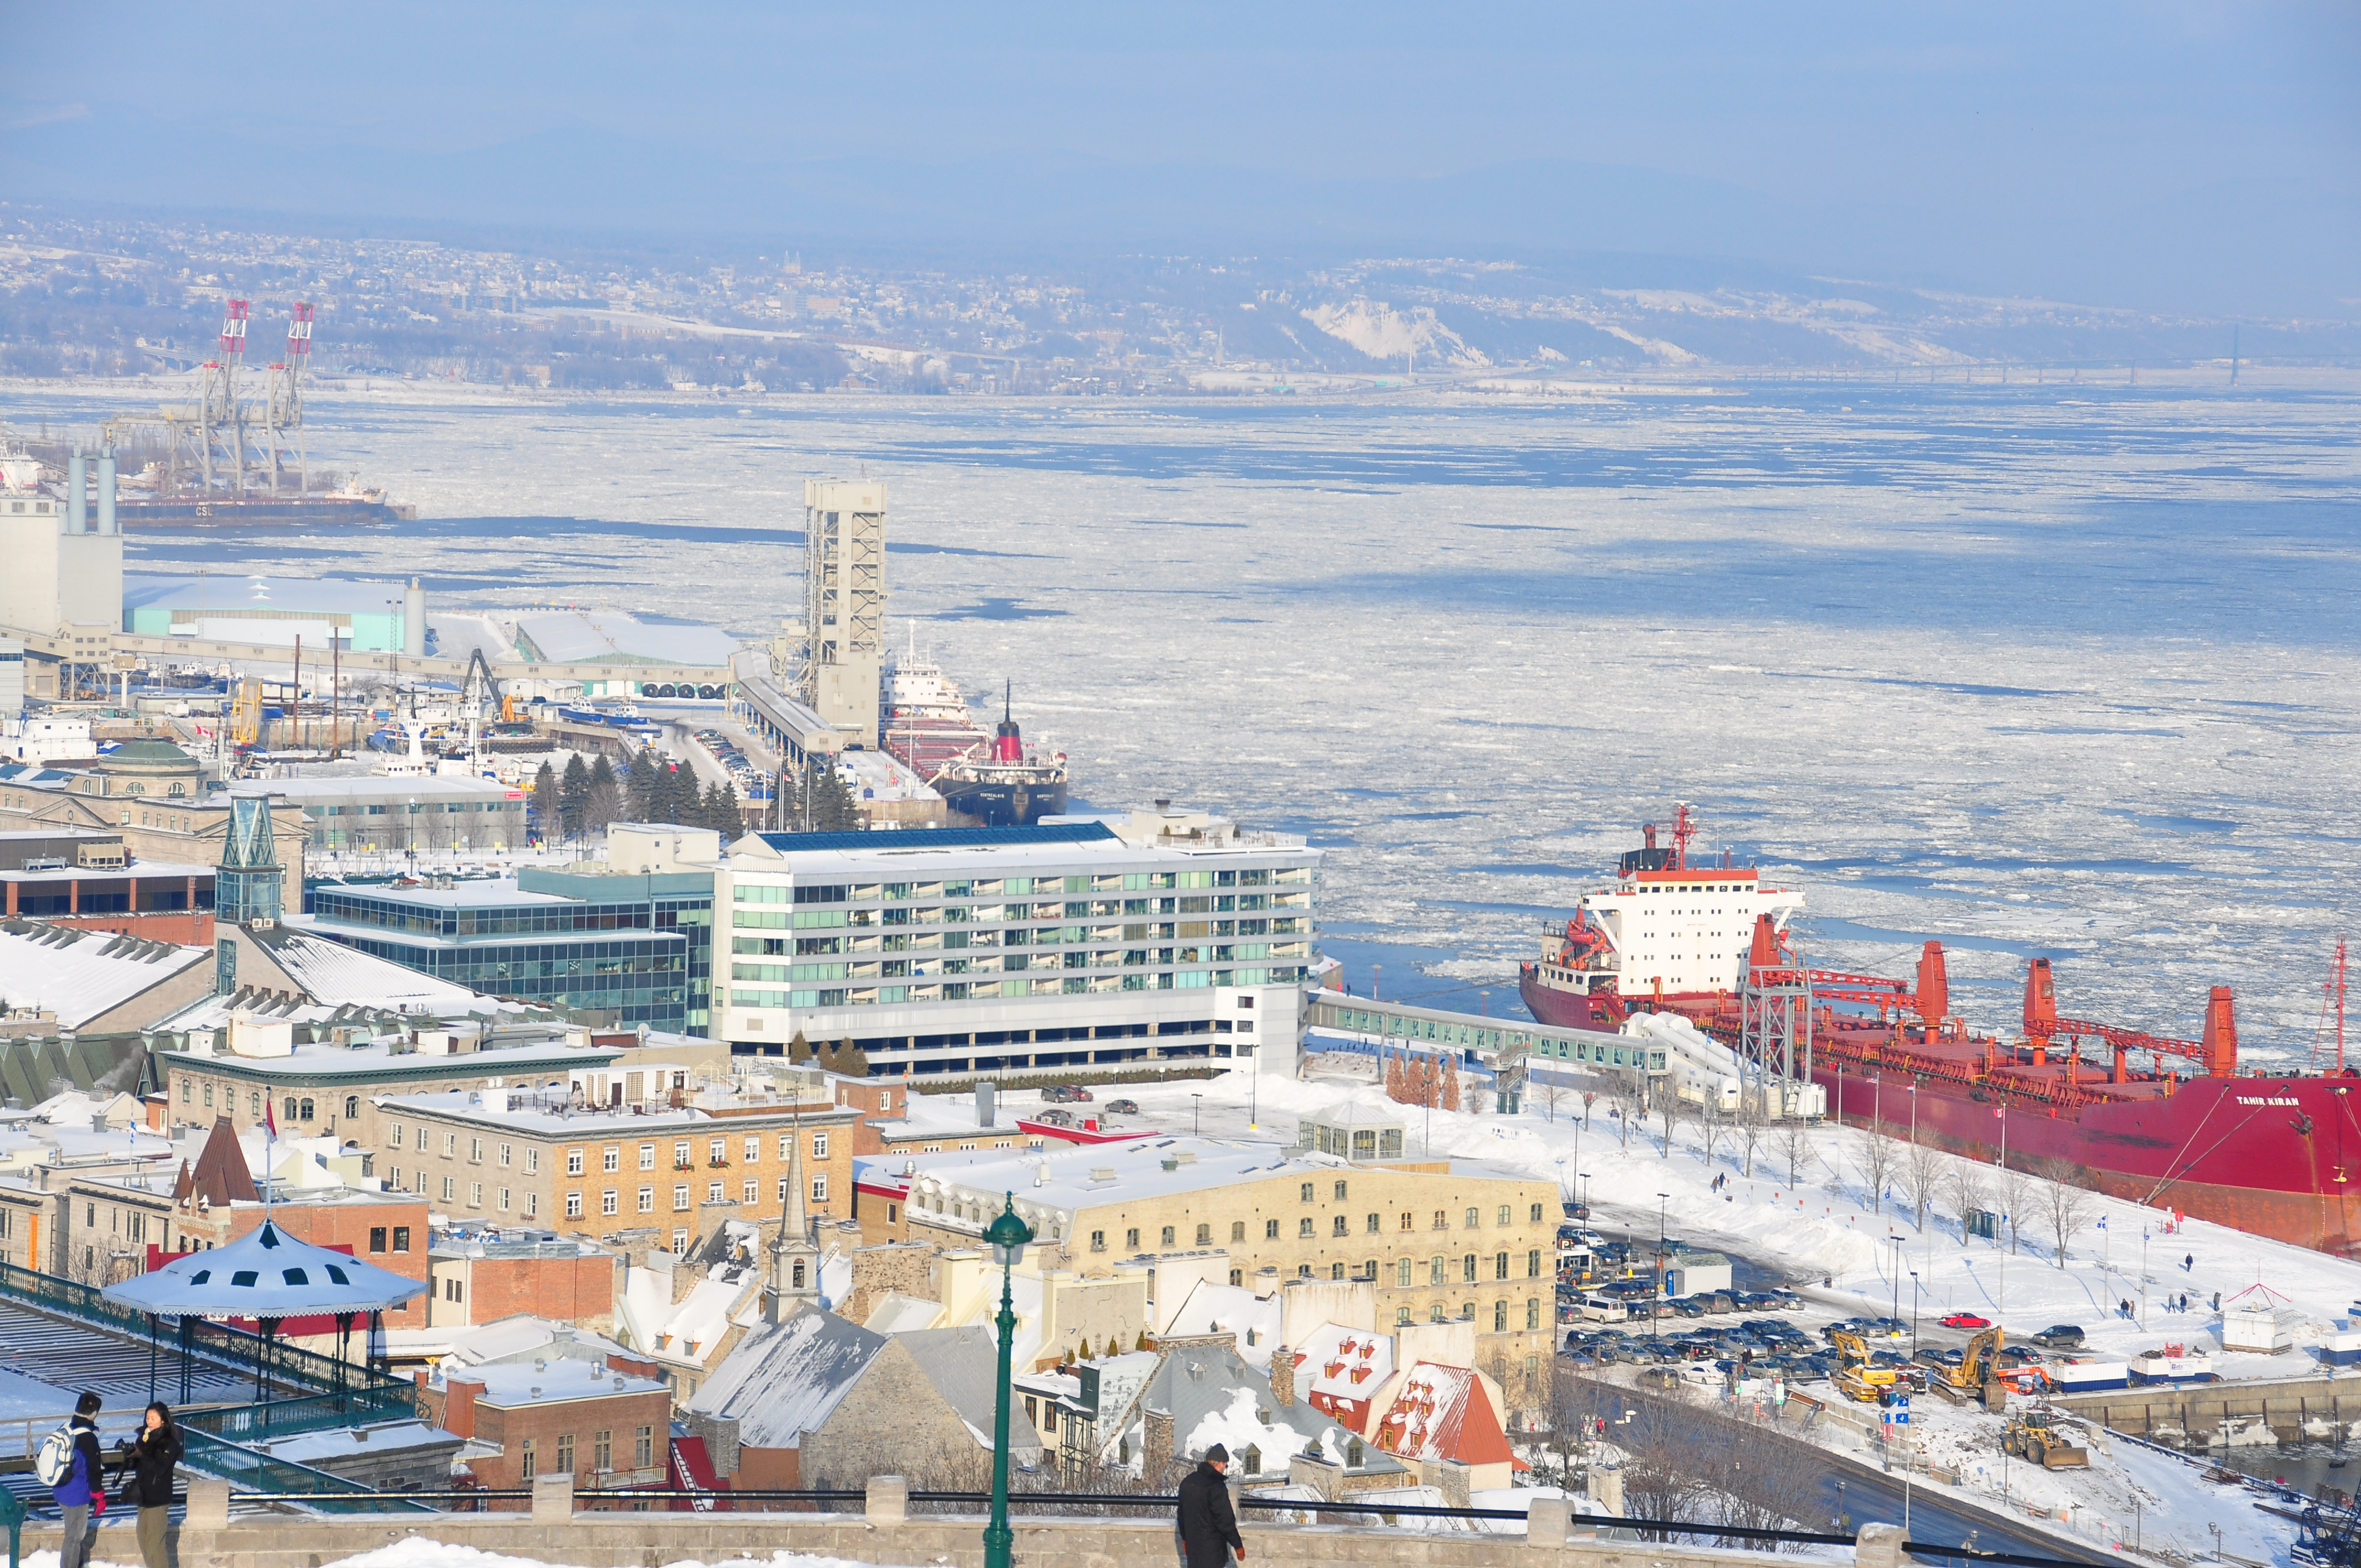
point(265, 1274)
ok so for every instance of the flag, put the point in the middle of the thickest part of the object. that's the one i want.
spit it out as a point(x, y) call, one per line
point(2102, 1222)
point(270, 1122)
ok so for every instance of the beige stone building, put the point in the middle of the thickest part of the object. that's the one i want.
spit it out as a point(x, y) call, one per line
point(1435, 1240)
point(545, 1156)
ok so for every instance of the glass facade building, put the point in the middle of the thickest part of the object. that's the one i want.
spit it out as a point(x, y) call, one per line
point(636, 947)
point(972, 950)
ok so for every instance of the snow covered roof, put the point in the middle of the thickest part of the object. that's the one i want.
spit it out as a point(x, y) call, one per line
point(265, 1274)
point(596, 636)
point(783, 1379)
point(691, 1329)
point(1345, 1364)
point(1212, 1308)
point(963, 1364)
point(333, 974)
point(508, 1383)
point(1209, 1389)
point(895, 1313)
point(81, 975)
point(1443, 1412)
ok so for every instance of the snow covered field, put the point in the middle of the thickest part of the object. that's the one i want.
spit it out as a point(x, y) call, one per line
point(2040, 670)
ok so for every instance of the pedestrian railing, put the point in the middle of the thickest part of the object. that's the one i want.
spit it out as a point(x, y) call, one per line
point(813, 1500)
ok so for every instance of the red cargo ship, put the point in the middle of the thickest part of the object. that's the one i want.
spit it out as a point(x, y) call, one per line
point(2276, 1154)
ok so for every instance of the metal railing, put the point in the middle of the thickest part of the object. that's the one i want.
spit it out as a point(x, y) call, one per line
point(283, 1480)
point(241, 1352)
point(1659, 1529)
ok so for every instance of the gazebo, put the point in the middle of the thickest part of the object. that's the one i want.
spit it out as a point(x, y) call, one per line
point(269, 1276)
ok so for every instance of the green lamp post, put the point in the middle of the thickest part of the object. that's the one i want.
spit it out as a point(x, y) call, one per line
point(1007, 1235)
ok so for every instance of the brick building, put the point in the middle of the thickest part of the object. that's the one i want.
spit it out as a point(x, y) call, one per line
point(483, 1279)
point(604, 1427)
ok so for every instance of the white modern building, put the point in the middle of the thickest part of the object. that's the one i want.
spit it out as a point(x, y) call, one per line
point(1160, 936)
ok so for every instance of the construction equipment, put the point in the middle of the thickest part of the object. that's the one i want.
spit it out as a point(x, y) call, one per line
point(1970, 1373)
point(246, 712)
point(2040, 1436)
point(1857, 1380)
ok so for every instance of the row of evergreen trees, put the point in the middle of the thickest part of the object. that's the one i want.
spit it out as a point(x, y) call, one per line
point(587, 796)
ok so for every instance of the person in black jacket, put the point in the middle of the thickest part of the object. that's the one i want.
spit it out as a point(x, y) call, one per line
point(1207, 1527)
point(149, 1462)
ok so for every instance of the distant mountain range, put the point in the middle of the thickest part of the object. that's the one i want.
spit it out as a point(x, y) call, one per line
point(2259, 248)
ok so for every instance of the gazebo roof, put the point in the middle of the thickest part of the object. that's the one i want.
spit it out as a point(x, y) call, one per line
point(265, 1274)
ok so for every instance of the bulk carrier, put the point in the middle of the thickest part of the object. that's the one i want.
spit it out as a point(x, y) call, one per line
point(2277, 1154)
point(988, 778)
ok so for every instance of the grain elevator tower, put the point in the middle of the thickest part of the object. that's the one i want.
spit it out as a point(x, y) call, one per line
point(844, 603)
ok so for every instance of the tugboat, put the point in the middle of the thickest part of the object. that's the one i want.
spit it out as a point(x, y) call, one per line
point(1004, 783)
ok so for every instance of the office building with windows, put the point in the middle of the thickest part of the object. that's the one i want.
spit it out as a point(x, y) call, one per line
point(631, 935)
point(1159, 936)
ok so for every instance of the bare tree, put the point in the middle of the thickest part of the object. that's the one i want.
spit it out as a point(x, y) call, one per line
point(2064, 1202)
point(2015, 1190)
point(1795, 1147)
point(1874, 1153)
point(1674, 1109)
point(1659, 1481)
point(1711, 1125)
point(1627, 1099)
point(1750, 1127)
point(1965, 1186)
point(1922, 1178)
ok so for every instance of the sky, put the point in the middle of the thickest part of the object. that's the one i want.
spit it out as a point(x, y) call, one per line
point(2195, 156)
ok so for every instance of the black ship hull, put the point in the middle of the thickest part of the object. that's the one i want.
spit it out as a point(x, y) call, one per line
point(1003, 805)
point(289, 509)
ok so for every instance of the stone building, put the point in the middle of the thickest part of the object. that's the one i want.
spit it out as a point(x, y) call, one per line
point(603, 1427)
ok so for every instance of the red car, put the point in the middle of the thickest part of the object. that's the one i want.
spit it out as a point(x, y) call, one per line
point(1966, 1320)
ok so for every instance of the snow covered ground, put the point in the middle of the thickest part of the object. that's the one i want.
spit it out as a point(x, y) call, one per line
point(2041, 669)
point(416, 1552)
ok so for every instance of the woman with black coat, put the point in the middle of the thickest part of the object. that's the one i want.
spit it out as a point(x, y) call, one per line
point(148, 1462)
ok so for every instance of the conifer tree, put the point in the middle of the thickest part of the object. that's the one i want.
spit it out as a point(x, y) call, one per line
point(603, 802)
point(571, 794)
point(799, 1050)
point(641, 786)
point(545, 813)
point(727, 819)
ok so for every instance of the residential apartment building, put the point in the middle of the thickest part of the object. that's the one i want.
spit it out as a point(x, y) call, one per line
point(565, 1416)
point(1077, 943)
point(555, 1157)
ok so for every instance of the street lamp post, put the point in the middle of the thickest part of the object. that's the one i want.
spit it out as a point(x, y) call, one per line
point(1196, 1105)
point(1007, 1235)
point(1656, 1308)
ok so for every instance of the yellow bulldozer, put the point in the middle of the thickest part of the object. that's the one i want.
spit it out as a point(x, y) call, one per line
point(1856, 1380)
point(2041, 1437)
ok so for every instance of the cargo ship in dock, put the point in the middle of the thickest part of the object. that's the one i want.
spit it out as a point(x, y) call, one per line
point(2173, 1123)
point(987, 778)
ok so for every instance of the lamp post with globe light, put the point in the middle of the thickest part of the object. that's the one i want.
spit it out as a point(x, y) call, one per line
point(1007, 1235)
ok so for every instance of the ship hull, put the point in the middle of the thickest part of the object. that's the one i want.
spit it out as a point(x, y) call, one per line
point(312, 509)
point(1563, 1009)
point(2279, 1157)
point(1003, 805)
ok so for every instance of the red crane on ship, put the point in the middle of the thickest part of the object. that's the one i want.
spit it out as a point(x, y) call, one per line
point(2216, 1053)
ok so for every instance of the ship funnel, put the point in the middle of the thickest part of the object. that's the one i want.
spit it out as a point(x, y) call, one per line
point(1765, 952)
point(2221, 1035)
point(1933, 987)
point(1008, 743)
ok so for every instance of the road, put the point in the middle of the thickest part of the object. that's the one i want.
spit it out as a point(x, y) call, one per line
point(1860, 1494)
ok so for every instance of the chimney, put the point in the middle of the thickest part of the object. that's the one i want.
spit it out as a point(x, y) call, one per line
point(986, 1111)
point(1156, 1446)
point(1282, 1374)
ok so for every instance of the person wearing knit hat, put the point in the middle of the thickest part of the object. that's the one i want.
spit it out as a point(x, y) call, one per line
point(1207, 1526)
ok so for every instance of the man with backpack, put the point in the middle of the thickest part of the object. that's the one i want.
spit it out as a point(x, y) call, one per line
point(69, 1462)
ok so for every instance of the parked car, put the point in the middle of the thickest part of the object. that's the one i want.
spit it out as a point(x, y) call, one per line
point(1122, 1107)
point(2059, 1336)
point(1054, 1118)
point(1066, 1094)
point(1966, 1320)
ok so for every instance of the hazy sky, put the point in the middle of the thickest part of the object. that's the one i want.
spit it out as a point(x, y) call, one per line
point(1952, 140)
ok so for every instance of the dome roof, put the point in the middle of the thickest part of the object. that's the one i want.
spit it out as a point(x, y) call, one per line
point(265, 1274)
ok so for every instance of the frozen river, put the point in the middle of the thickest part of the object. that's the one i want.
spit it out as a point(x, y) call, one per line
point(2038, 669)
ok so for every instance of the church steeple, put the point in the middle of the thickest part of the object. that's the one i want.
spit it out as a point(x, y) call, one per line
point(794, 1260)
